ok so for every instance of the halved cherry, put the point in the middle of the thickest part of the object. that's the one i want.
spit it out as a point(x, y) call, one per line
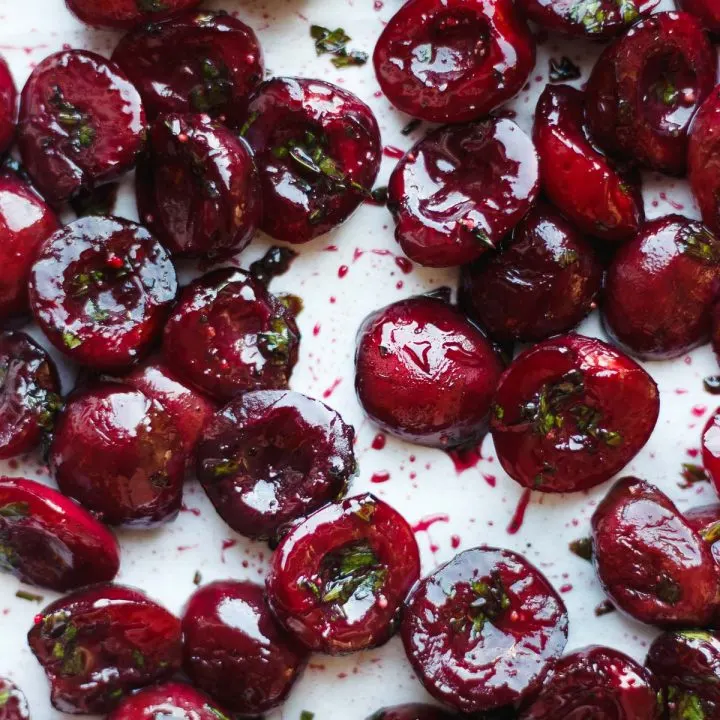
point(483, 629)
point(705, 519)
point(571, 412)
point(704, 160)
point(652, 564)
point(577, 179)
point(206, 62)
point(13, 705)
point(81, 124)
point(425, 373)
point(645, 90)
point(169, 701)
point(126, 13)
point(8, 106)
point(100, 643)
point(597, 683)
point(198, 188)
point(119, 454)
point(318, 150)
point(412, 711)
point(660, 288)
point(234, 649)
point(707, 11)
point(272, 456)
point(543, 282)
point(101, 290)
point(29, 393)
point(338, 578)
point(711, 448)
point(459, 190)
point(228, 335)
point(453, 60)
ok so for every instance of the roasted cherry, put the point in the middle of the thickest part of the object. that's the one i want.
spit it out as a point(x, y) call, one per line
point(101, 289)
point(169, 701)
point(705, 520)
point(645, 89)
point(126, 13)
point(543, 282)
point(339, 577)
point(571, 412)
point(411, 711)
point(98, 644)
point(198, 188)
point(483, 629)
point(228, 335)
point(597, 683)
point(660, 288)
point(453, 60)
point(460, 189)
point(652, 564)
point(199, 62)
point(29, 387)
point(423, 372)
point(117, 452)
point(234, 649)
point(704, 160)
point(577, 179)
point(81, 124)
point(318, 150)
point(272, 456)
point(8, 106)
point(13, 705)
point(711, 448)
point(707, 11)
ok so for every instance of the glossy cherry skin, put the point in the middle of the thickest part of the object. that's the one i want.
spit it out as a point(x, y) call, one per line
point(483, 629)
point(543, 281)
point(660, 288)
point(101, 289)
point(452, 60)
point(571, 412)
point(81, 124)
point(8, 106)
point(198, 189)
point(412, 711)
point(705, 520)
point(652, 564)
point(339, 577)
point(645, 89)
point(458, 191)
point(704, 160)
point(14, 705)
point(597, 683)
point(118, 453)
point(29, 393)
point(707, 11)
point(172, 700)
point(273, 456)
point(576, 178)
point(126, 13)
point(98, 644)
point(200, 62)
point(711, 448)
point(235, 650)
point(318, 150)
point(228, 335)
point(425, 373)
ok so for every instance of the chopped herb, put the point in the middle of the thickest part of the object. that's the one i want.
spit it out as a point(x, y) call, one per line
point(499, 411)
point(71, 341)
point(138, 658)
point(354, 57)
point(31, 597)
point(700, 244)
point(351, 571)
point(197, 578)
point(247, 124)
point(334, 42)
point(411, 126)
point(712, 384)
point(15, 510)
point(628, 10)
point(96, 313)
point(687, 706)
point(490, 603)
point(590, 14)
point(292, 302)
point(151, 6)
point(366, 510)
point(4, 697)
point(160, 479)
point(711, 533)
point(567, 258)
point(667, 590)
point(583, 548)
point(693, 474)
point(307, 715)
point(219, 715)
point(311, 586)
point(563, 70)
point(225, 467)
point(58, 651)
point(216, 90)
point(276, 342)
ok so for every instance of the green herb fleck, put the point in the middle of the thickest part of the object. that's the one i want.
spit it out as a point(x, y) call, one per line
point(307, 715)
point(693, 474)
point(567, 258)
point(71, 341)
point(583, 548)
point(563, 70)
point(590, 14)
point(15, 510)
point(351, 571)
point(711, 533)
point(219, 715)
point(225, 468)
point(354, 57)
point(628, 10)
point(151, 6)
point(138, 658)
point(30, 597)
point(686, 706)
point(499, 411)
point(276, 342)
point(248, 124)
point(700, 244)
point(667, 590)
point(335, 43)
point(197, 578)
point(4, 697)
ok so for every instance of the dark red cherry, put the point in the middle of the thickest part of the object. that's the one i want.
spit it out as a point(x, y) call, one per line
point(453, 60)
point(169, 701)
point(118, 453)
point(101, 289)
point(100, 643)
point(81, 124)
point(198, 188)
point(705, 520)
point(13, 705)
point(660, 288)
point(458, 191)
point(425, 373)
point(228, 335)
point(704, 160)
point(707, 11)
point(234, 649)
point(645, 89)
point(200, 62)
point(272, 456)
point(29, 393)
point(8, 106)
point(597, 683)
point(339, 578)
point(126, 13)
point(571, 412)
point(483, 629)
point(576, 178)
point(412, 711)
point(318, 150)
point(652, 564)
point(711, 448)
point(544, 281)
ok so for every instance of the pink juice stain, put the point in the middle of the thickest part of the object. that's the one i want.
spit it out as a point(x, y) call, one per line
point(518, 517)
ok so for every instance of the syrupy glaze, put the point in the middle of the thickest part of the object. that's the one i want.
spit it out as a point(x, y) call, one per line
point(8, 106)
point(706, 10)
point(127, 13)
point(703, 168)
point(412, 711)
point(175, 700)
point(705, 519)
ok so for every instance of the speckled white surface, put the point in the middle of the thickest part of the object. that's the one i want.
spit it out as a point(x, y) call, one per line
point(468, 508)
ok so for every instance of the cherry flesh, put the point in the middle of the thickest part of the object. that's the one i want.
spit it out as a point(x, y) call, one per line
point(412, 711)
point(704, 160)
point(126, 13)
point(169, 701)
point(81, 124)
point(453, 61)
point(707, 11)
point(318, 150)
point(461, 189)
point(705, 521)
point(8, 106)
point(338, 578)
point(571, 412)
point(711, 448)
point(14, 706)
point(483, 629)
